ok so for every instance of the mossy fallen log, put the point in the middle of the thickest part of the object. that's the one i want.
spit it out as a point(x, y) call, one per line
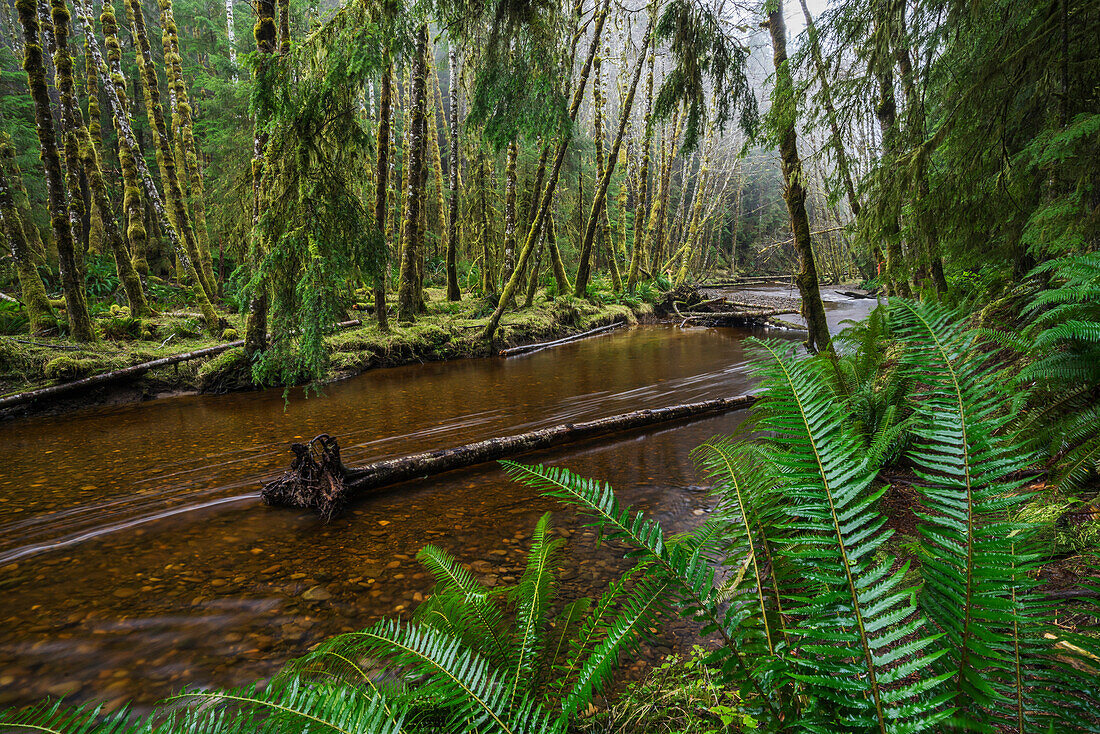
point(318, 480)
point(52, 391)
point(529, 348)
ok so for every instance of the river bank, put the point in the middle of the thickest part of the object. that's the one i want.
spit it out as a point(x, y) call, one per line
point(449, 330)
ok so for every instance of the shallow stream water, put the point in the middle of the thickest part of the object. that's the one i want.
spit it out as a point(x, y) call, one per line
point(136, 558)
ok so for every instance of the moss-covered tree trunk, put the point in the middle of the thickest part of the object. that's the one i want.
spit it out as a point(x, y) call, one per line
point(484, 229)
point(72, 286)
point(166, 158)
point(599, 201)
point(638, 254)
point(886, 113)
point(932, 260)
point(382, 182)
point(435, 136)
point(284, 27)
point(604, 238)
point(35, 301)
point(255, 337)
point(132, 207)
point(691, 238)
point(539, 223)
point(184, 125)
point(453, 230)
point(408, 293)
point(508, 264)
point(813, 310)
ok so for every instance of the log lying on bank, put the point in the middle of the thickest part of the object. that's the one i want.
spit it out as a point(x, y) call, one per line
point(10, 401)
point(529, 348)
point(319, 481)
point(728, 318)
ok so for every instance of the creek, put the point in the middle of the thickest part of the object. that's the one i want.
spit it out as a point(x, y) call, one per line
point(136, 558)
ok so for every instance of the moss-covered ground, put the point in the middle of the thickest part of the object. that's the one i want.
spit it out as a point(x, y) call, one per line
point(446, 331)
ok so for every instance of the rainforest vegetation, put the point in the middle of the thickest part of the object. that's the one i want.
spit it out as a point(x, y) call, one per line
point(902, 535)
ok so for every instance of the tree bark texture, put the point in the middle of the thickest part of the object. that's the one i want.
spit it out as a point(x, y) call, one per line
point(408, 294)
point(794, 193)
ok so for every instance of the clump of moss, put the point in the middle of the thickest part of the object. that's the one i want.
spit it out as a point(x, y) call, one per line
point(68, 368)
point(230, 369)
point(230, 335)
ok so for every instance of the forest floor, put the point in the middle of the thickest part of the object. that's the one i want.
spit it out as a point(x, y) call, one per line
point(449, 330)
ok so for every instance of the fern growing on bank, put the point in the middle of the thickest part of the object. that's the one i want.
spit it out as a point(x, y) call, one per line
point(1062, 341)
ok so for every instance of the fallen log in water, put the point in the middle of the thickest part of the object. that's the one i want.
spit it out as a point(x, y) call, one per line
point(528, 348)
point(10, 401)
point(318, 480)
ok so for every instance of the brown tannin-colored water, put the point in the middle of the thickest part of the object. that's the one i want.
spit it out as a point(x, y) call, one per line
point(136, 559)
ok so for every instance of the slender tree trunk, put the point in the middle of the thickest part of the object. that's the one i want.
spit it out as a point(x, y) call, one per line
point(886, 112)
point(813, 310)
point(231, 36)
point(548, 195)
point(637, 255)
point(915, 124)
point(691, 239)
point(183, 123)
point(408, 294)
point(76, 305)
point(165, 156)
point(136, 234)
point(122, 124)
point(509, 264)
point(35, 301)
point(599, 201)
point(488, 283)
point(382, 182)
point(435, 136)
point(264, 32)
point(284, 27)
point(843, 167)
point(453, 291)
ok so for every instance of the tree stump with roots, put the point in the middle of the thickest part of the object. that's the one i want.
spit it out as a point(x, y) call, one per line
point(315, 480)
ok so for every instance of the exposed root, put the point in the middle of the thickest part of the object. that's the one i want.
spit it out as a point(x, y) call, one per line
point(315, 480)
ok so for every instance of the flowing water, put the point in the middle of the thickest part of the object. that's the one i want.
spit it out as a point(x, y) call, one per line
point(136, 559)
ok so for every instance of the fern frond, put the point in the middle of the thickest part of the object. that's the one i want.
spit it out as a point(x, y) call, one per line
point(463, 604)
point(459, 682)
point(748, 503)
point(531, 598)
point(689, 574)
point(858, 612)
point(292, 705)
point(56, 718)
point(639, 610)
point(963, 459)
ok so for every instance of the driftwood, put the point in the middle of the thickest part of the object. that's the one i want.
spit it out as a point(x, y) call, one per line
point(527, 349)
point(853, 294)
point(318, 480)
point(10, 401)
